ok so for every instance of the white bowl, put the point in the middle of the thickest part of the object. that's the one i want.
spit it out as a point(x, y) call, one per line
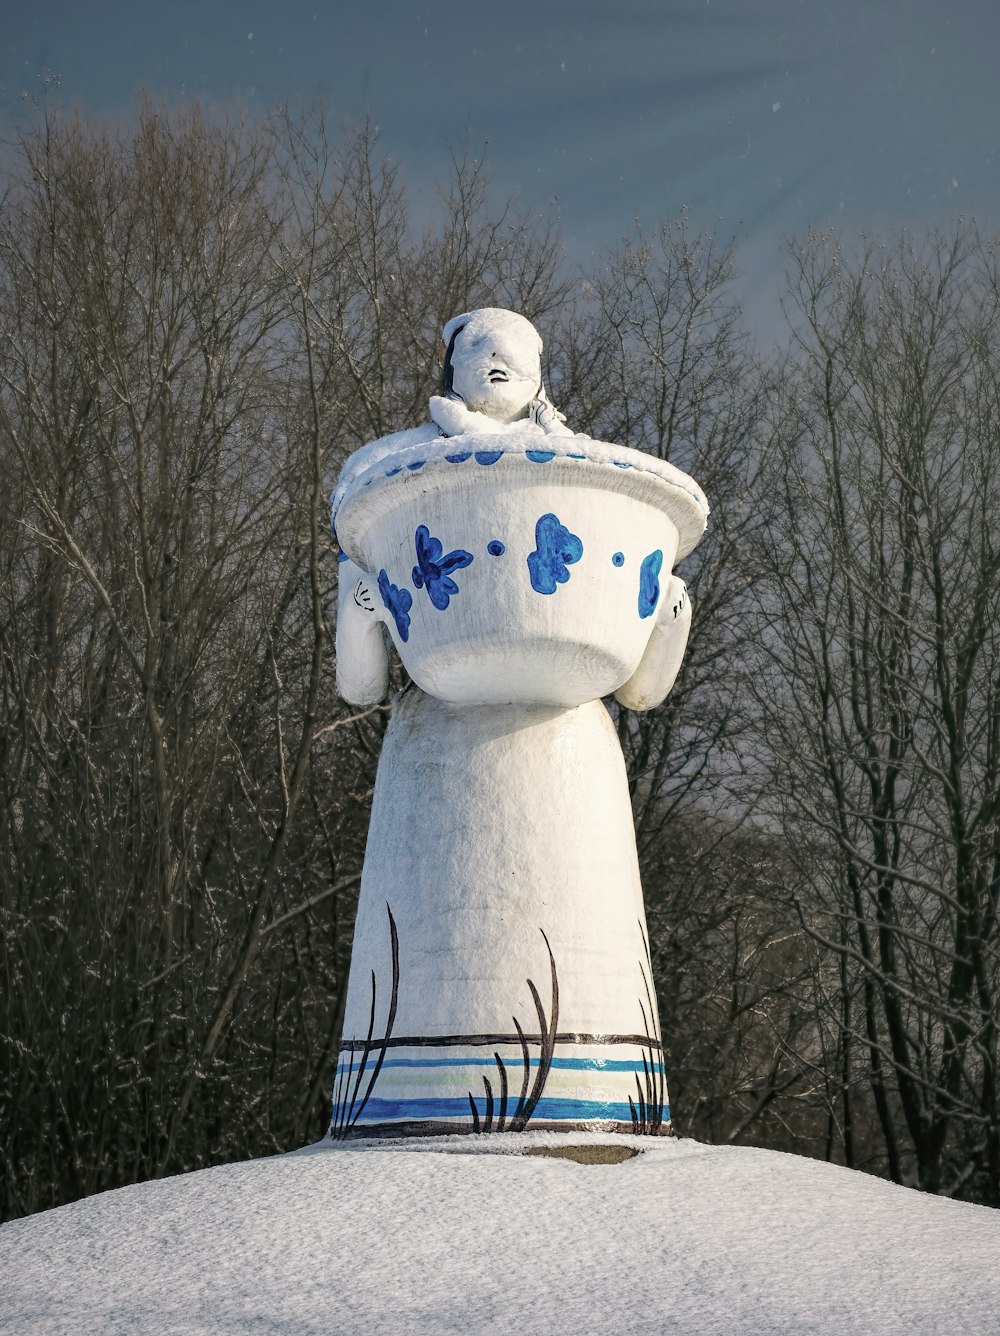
point(519, 566)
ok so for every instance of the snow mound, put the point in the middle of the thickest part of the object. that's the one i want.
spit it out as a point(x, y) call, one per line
point(400, 1238)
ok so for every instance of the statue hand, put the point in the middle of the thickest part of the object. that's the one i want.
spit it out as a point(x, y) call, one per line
point(363, 596)
point(661, 662)
point(362, 656)
point(545, 415)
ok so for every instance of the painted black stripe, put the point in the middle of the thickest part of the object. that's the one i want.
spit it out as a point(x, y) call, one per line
point(502, 1119)
point(548, 1043)
point(485, 1040)
point(525, 1073)
point(393, 1000)
point(366, 1049)
point(488, 1119)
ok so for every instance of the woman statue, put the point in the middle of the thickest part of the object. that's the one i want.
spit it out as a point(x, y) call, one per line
point(501, 977)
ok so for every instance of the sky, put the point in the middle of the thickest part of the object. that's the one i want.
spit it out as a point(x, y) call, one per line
point(761, 119)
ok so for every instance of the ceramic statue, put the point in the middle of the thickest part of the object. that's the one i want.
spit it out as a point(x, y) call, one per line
point(500, 976)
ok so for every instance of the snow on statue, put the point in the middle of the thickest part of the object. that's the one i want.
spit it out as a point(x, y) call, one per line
point(500, 977)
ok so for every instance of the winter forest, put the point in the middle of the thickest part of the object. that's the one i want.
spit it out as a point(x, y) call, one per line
point(200, 318)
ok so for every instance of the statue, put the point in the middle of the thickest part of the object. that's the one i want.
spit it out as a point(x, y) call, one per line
point(501, 976)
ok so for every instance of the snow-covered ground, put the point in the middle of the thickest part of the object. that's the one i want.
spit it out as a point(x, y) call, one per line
point(431, 1238)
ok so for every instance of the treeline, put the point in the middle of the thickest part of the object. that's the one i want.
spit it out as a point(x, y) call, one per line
point(199, 320)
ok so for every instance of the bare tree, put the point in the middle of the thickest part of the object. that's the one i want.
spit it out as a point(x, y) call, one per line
point(878, 685)
point(163, 533)
point(659, 362)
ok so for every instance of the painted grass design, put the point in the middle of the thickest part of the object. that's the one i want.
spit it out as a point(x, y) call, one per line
point(346, 1113)
point(526, 1104)
point(647, 1108)
point(497, 1109)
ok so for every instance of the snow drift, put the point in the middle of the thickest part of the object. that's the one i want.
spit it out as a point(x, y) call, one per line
point(434, 1238)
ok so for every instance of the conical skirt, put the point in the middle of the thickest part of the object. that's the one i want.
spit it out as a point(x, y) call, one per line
point(500, 977)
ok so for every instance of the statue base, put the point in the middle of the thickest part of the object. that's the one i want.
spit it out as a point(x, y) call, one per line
point(500, 976)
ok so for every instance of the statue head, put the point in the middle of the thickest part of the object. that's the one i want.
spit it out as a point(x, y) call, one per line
point(493, 362)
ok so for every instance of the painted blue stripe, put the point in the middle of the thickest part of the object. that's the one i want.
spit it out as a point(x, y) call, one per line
point(378, 1110)
point(568, 1064)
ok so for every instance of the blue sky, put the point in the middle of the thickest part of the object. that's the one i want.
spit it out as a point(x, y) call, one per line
point(762, 118)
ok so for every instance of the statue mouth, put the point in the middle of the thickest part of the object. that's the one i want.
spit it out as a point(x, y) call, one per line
point(498, 376)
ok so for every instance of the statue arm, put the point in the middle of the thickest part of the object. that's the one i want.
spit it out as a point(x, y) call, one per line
point(362, 654)
point(454, 418)
point(661, 662)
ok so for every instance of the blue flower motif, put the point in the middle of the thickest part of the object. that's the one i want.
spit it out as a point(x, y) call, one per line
point(399, 602)
point(433, 568)
point(649, 584)
point(555, 549)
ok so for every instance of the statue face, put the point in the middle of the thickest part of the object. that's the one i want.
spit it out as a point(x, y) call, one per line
point(496, 364)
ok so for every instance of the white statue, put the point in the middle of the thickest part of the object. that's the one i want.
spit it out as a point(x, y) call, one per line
point(500, 976)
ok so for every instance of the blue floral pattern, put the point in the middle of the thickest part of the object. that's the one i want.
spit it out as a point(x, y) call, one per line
point(433, 569)
point(399, 602)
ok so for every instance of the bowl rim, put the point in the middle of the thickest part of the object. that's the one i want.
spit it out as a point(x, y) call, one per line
point(374, 481)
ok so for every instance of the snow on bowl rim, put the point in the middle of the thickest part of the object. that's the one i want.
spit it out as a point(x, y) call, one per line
point(373, 483)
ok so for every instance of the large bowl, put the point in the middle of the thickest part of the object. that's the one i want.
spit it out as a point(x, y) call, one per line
point(518, 567)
